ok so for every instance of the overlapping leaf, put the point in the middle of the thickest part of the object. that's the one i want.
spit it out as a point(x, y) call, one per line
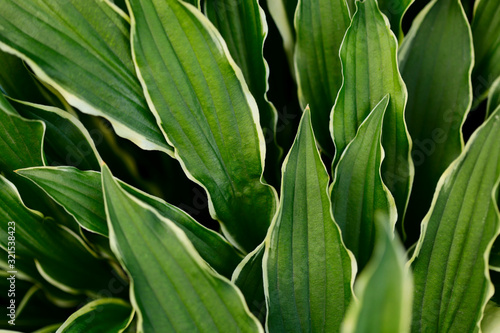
point(320, 27)
point(66, 141)
point(80, 193)
point(173, 289)
point(370, 71)
point(435, 61)
point(384, 289)
point(394, 11)
point(358, 191)
point(102, 315)
point(451, 259)
point(243, 26)
point(82, 49)
point(61, 256)
point(307, 270)
point(207, 113)
point(493, 98)
point(485, 27)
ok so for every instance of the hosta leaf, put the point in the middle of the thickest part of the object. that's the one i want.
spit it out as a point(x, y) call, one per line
point(451, 259)
point(283, 13)
point(195, 3)
point(61, 256)
point(383, 289)
point(66, 141)
point(491, 319)
point(358, 191)
point(370, 70)
point(82, 49)
point(102, 315)
point(248, 277)
point(493, 98)
point(80, 193)
point(485, 27)
point(435, 60)
point(394, 11)
point(173, 289)
point(205, 109)
point(307, 270)
point(243, 26)
point(320, 27)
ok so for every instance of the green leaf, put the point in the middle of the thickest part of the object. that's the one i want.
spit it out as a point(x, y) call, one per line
point(320, 27)
point(66, 141)
point(102, 315)
point(493, 98)
point(283, 13)
point(383, 289)
point(307, 270)
point(207, 113)
point(491, 320)
point(358, 191)
point(82, 49)
point(61, 256)
point(435, 60)
point(173, 289)
point(80, 193)
point(248, 277)
point(485, 27)
point(394, 10)
point(370, 70)
point(243, 26)
point(450, 263)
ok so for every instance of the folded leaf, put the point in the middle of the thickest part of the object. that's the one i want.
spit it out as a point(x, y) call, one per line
point(485, 27)
point(243, 26)
point(207, 113)
point(383, 289)
point(283, 13)
point(173, 289)
point(435, 61)
point(307, 270)
point(450, 262)
point(82, 49)
point(102, 315)
point(320, 27)
point(493, 98)
point(370, 70)
point(491, 320)
point(80, 193)
point(394, 11)
point(66, 141)
point(358, 191)
point(249, 278)
point(61, 256)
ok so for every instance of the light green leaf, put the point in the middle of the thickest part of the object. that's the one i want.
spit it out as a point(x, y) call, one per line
point(80, 193)
point(66, 43)
point(435, 60)
point(283, 13)
point(384, 289)
point(491, 319)
point(195, 3)
point(358, 191)
point(173, 289)
point(243, 26)
point(61, 256)
point(370, 70)
point(485, 27)
point(66, 141)
point(207, 113)
point(493, 98)
point(450, 263)
point(248, 277)
point(48, 329)
point(320, 27)
point(307, 270)
point(394, 10)
point(102, 315)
